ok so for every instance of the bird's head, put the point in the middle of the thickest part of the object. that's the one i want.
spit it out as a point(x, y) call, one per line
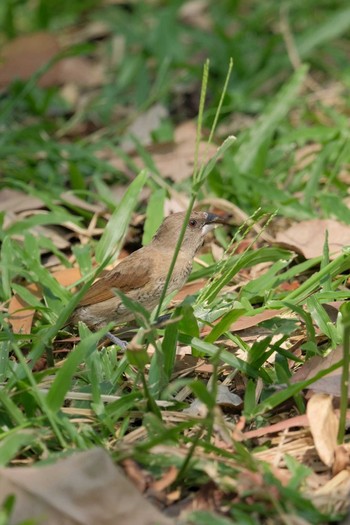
point(199, 224)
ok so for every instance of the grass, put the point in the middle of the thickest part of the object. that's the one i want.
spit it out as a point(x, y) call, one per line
point(285, 65)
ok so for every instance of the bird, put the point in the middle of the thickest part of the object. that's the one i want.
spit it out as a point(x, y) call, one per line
point(142, 274)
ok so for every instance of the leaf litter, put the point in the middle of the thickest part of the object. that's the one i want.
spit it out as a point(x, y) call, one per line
point(309, 438)
point(313, 444)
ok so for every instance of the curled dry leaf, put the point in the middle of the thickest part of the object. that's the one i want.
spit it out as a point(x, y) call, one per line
point(308, 237)
point(341, 459)
point(324, 425)
point(227, 399)
point(85, 488)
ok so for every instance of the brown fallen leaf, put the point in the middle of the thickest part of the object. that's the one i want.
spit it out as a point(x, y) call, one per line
point(166, 480)
point(25, 55)
point(135, 474)
point(341, 459)
point(324, 424)
point(175, 160)
point(286, 424)
point(225, 399)
point(16, 201)
point(297, 421)
point(246, 321)
point(85, 488)
point(70, 198)
point(178, 162)
point(307, 238)
point(228, 400)
point(143, 126)
point(196, 13)
point(329, 384)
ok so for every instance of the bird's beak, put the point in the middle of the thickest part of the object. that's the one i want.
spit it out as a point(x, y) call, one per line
point(216, 219)
point(212, 220)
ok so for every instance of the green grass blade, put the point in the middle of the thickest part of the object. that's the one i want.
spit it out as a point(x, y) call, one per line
point(62, 381)
point(280, 397)
point(154, 215)
point(13, 443)
point(344, 389)
point(334, 26)
point(119, 221)
point(276, 111)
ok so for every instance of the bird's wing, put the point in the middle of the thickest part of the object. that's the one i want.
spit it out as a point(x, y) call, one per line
point(125, 277)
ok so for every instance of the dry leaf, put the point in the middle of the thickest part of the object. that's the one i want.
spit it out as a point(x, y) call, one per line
point(144, 125)
point(176, 160)
point(85, 488)
point(195, 13)
point(227, 399)
point(16, 201)
point(246, 321)
point(178, 163)
point(308, 237)
point(135, 474)
point(25, 55)
point(81, 71)
point(324, 425)
point(189, 289)
point(167, 478)
point(72, 199)
point(224, 398)
point(305, 155)
point(341, 459)
point(297, 421)
point(330, 384)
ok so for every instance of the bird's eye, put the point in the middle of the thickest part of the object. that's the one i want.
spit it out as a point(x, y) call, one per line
point(193, 223)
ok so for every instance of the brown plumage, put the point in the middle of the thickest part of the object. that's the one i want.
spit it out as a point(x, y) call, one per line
point(141, 275)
